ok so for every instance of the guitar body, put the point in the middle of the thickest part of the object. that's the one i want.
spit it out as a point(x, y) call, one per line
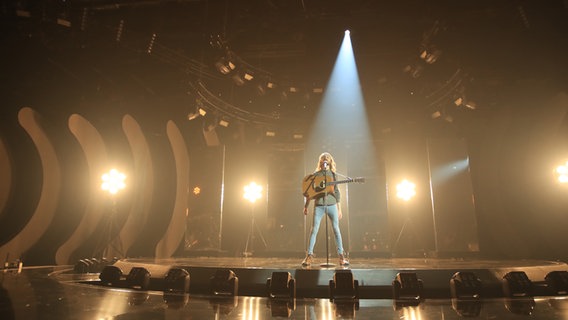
point(313, 185)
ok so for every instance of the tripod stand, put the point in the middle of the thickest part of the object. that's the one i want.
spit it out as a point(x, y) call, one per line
point(250, 238)
point(406, 220)
point(109, 246)
point(407, 227)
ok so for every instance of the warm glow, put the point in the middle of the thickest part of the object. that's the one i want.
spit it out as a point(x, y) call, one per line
point(253, 192)
point(405, 190)
point(411, 313)
point(251, 308)
point(562, 173)
point(113, 181)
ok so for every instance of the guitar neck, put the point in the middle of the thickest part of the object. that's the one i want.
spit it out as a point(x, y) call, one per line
point(330, 183)
point(345, 181)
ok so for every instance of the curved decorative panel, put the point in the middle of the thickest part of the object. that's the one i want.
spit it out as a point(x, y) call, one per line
point(96, 154)
point(169, 243)
point(50, 191)
point(142, 180)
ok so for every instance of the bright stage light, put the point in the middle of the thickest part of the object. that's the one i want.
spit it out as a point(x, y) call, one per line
point(562, 173)
point(253, 192)
point(113, 181)
point(405, 190)
point(347, 32)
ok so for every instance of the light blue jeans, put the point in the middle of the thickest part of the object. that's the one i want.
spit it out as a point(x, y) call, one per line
point(319, 212)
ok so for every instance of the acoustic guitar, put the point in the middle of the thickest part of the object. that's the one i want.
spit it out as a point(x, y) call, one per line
point(313, 185)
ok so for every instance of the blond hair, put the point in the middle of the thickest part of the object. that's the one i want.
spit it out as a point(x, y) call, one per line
point(326, 156)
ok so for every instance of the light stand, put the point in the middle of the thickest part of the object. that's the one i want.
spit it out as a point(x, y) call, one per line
point(109, 247)
point(252, 193)
point(405, 190)
point(250, 237)
point(406, 221)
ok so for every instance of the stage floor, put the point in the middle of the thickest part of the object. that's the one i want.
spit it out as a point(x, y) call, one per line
point(59, 292)
point(375, 275)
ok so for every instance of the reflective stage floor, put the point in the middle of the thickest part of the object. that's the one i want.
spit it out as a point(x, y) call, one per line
point(63, 292)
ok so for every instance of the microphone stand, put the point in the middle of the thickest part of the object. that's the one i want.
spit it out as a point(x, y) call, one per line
point(327, 264)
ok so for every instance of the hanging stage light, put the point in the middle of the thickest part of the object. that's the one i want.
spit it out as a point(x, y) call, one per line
point(223, 123)
point(225, 65)
point(248, 76)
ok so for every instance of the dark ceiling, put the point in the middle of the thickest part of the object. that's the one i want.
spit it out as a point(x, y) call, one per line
point(162, 52)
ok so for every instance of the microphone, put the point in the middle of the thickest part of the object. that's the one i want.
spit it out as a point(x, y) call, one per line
point(325, 165)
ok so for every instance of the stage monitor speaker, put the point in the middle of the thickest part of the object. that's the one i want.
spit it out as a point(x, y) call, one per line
point(177, 281)
point(91, 265)
point(557, 282)
point(138, 278)
point(465, 285)
point(224, 283)
point(281, 286)
point(407, 286)
point(110, 276)
point(517, 284)
point(343, 286)
point(82, 266)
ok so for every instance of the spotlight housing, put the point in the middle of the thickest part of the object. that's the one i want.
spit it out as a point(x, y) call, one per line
point(406, 286)
point(225, 66)
point(110, 275)
point(517, 284)
point(343, 286)
point(557, 282)
point(138, 278)
point(177, 281)
point(465, 285)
